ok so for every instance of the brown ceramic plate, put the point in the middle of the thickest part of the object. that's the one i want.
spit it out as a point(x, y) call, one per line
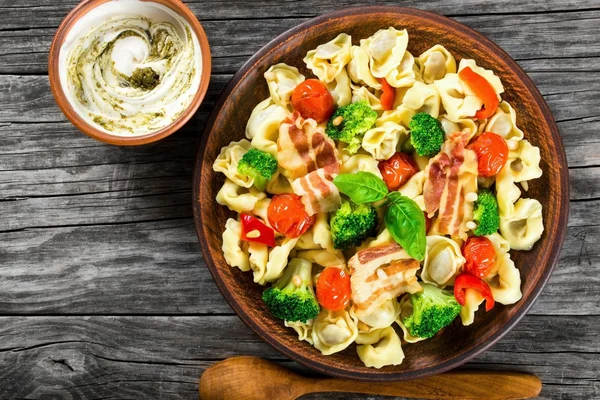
point(456, 344)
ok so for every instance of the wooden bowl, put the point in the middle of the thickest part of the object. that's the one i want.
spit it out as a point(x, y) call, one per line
point(456, 344)
point(54, 75)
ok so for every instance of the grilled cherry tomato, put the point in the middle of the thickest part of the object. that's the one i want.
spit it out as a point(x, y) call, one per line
point(388, 96)
point(333, 289)
point(312, 100)
point(287, 215)
point(492, 153)
point(480, 256)
point(466, 281)
point(483, 89)
point(398, 170)
point(253, 230)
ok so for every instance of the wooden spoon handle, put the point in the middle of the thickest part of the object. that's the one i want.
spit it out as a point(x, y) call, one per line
point(464, 384)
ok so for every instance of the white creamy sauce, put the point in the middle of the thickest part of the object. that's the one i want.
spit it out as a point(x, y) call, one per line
point(130, 67)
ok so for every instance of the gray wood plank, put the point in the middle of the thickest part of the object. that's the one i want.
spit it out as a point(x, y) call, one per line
point(524, 36)
point(162, 357)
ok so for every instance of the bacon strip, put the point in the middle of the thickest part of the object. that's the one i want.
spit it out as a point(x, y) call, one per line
point(318, 192)
point(303, 147)
point(370, 288)
point(448, 178)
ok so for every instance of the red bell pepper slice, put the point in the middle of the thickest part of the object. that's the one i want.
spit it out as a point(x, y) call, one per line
point(388, 96)
point(253, 230)
point(483, 89)
point(465, 281)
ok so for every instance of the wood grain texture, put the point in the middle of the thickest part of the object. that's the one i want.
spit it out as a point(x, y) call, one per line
point(88, 229)
point(137, 357)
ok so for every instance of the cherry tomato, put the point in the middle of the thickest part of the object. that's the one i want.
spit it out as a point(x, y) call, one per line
point(312, 100)
point(388, 96)
point(287, 215)
point(333, 289)
point(398, 170)
point(480, 256)
point(492, 153)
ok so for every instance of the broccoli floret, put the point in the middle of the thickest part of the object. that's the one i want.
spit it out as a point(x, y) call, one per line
point(356, 119)
point(258, 165)
point(486, 213)
point(291, 297)
point(433, 309)
point(426, 134)
point(352, 223)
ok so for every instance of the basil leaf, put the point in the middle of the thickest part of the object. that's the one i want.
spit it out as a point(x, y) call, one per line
point(406, 223)
point(361, 187)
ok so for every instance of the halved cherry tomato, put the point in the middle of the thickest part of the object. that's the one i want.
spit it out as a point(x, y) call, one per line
point(287, 215)
point(253, 230)
point(480, 256)
point(492, 153)
point(388, 96)
point(483, 89)
point(466, 281)
point(312, 100)
point(333, 289)
point(397, 170)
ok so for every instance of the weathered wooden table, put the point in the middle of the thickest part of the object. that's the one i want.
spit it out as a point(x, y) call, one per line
point(103, 290)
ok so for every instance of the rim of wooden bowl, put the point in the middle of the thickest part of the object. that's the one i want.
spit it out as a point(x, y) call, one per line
point(203, 218)
point(63, 103)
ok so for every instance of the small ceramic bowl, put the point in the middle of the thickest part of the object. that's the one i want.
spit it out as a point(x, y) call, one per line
point(55, 83)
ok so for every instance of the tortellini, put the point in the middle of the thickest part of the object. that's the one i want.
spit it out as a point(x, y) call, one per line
point(227, 162)
point(282, 79)
point(401, 115)
point(405, 74)
point(443, 261)
point(279, 183)
point(422, 98)
point(524, 162)
point(328, 59)
point(382, 141)
point(379, 348)
point(232, 250)
point(237, 198)
point(278, 259)
point(461, 125)
point(360, 162)
point(258, 257)
point(303, 330)
point(385, 49)
point(473, 300)
point(506, 284)
point(382, 316)
point(324, 258)
point(358, 68)
point(504, 123)
point(340, 89)
point(263, 125)
point(524, 226)
point(506, 191)
point(414, 186)
point(333, 331)
point(435, 63)
point(362, 93)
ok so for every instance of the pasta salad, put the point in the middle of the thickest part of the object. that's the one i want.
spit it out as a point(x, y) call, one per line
point(378, 201)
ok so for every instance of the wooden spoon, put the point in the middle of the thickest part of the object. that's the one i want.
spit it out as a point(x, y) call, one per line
point(252, 378)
